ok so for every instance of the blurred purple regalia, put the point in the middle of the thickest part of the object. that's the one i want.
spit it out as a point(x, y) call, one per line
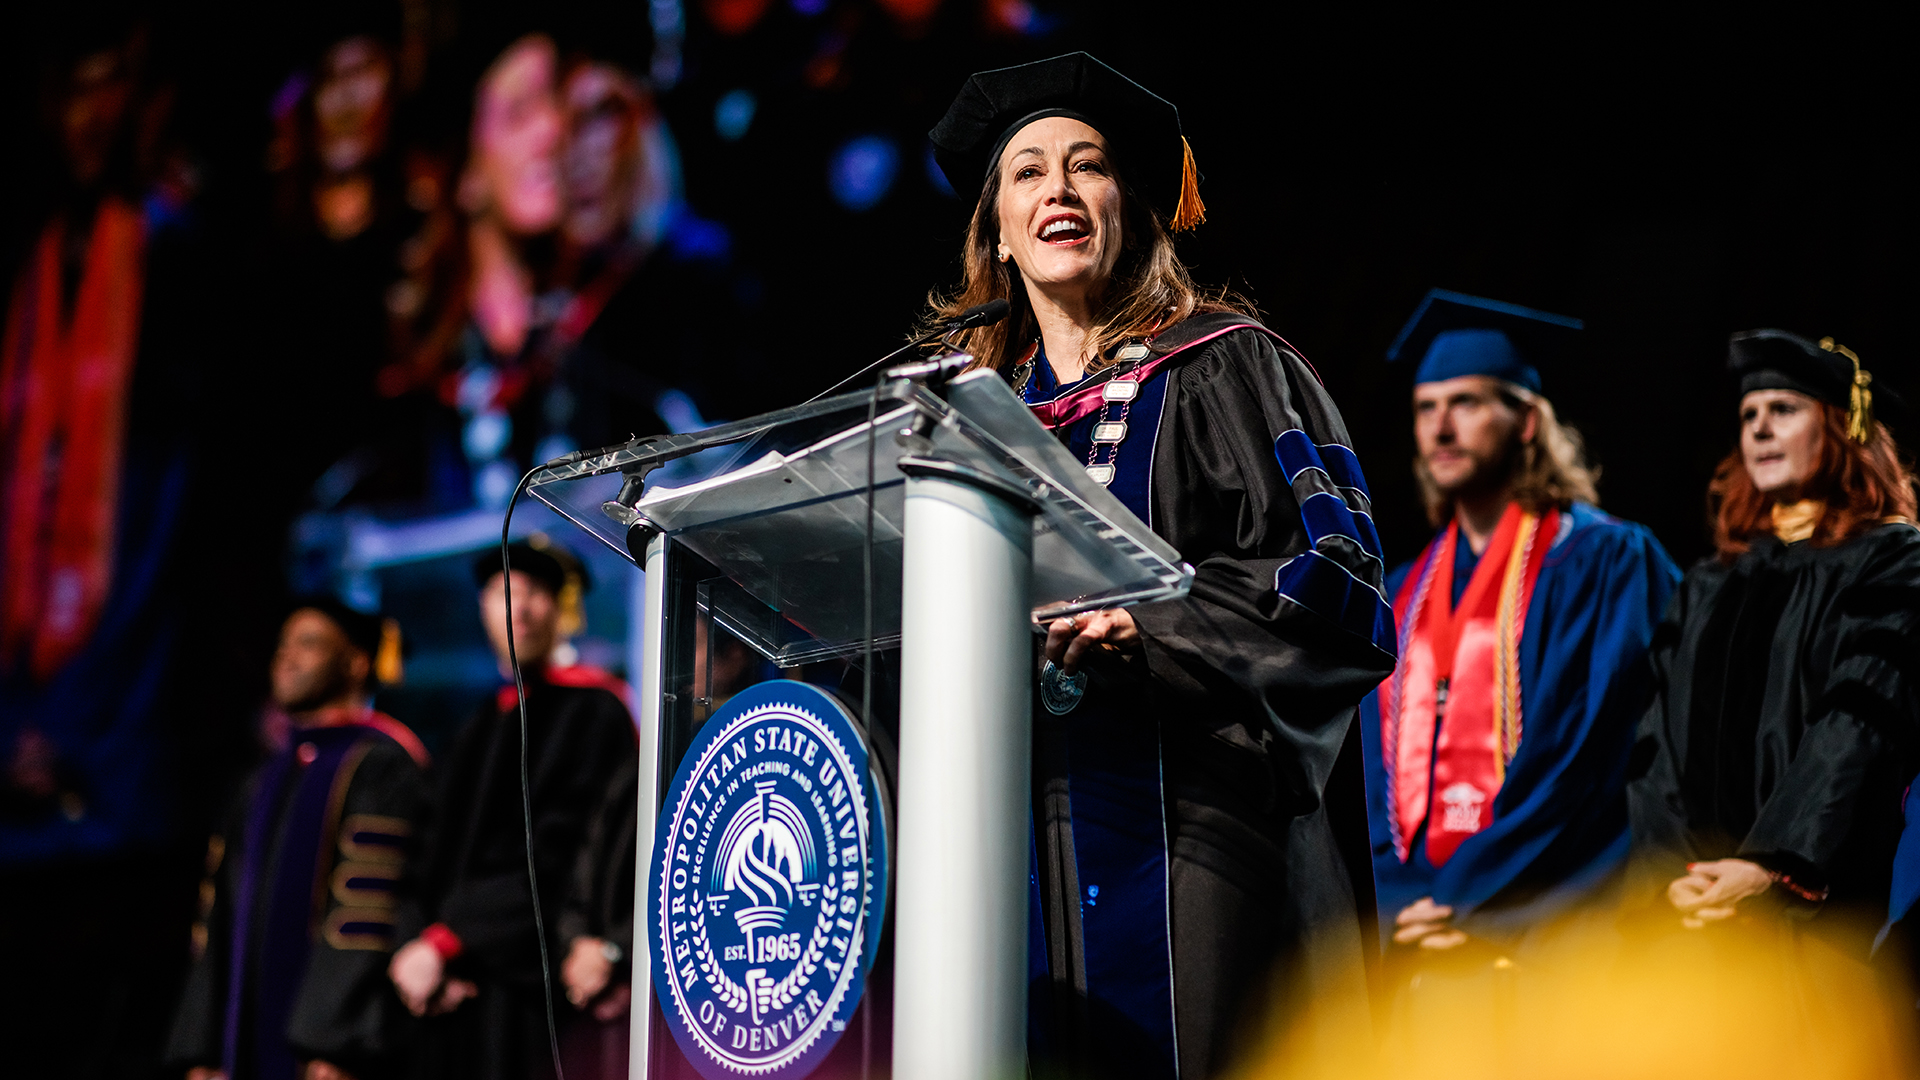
point(306, 879)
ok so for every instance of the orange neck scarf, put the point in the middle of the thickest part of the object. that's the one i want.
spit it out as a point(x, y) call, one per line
point(64, 386)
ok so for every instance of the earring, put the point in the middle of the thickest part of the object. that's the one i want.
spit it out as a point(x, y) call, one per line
point(1005, 254)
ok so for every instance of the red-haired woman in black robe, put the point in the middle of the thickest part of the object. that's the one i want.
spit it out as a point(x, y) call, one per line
point(1784, 729)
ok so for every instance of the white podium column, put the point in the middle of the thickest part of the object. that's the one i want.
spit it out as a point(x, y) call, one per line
point(652, 628)
point(960, 930)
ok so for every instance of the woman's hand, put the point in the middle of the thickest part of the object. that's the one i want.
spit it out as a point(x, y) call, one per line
point(1711, 890)
point(1426, 924)
point(1069, 639)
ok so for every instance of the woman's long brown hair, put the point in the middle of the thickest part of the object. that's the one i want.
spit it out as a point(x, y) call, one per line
point(1862, 486)
point(1150, 286)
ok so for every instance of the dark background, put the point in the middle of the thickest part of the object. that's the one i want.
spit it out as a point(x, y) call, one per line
point(1667, 182)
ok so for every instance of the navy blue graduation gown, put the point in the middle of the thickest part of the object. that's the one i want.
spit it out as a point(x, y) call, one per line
point(1559, 829)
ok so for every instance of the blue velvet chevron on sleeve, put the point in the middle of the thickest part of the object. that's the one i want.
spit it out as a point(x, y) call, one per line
point(1333, 577)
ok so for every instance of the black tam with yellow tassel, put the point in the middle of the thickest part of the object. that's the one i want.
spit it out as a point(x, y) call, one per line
point(1142, 129)
point(1826, 371)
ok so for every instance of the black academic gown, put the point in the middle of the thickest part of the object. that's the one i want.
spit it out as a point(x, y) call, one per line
point(600, 904)
point(320, 861)
point(1785, 722)
point(600, 897)
point(475, 864)
point(1253, 693)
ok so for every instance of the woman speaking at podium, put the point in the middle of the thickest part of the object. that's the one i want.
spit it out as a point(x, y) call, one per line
point(1188, 883)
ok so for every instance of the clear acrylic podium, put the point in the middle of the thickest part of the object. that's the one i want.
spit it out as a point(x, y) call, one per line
point(977, 526)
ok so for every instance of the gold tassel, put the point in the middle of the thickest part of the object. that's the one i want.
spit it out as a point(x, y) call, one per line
point(1860, 397)
point(573, 609)
point(572, 617)
point(387, 666)
point(1189, 211)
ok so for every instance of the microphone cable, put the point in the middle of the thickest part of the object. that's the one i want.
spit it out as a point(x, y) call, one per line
point(526, 787)
point(866, 562)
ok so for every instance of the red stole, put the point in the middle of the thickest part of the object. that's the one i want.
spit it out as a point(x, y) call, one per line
point(577, 675)
point(1450, 716)
point(378, 721)
point(63, 395)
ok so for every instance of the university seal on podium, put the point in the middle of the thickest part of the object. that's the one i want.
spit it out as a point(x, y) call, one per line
point(767, 884)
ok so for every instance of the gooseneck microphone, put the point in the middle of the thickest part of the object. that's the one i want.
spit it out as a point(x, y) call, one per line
point(976, 316)
point(979, 315)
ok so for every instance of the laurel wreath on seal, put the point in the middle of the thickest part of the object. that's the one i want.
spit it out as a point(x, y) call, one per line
point(789, 988)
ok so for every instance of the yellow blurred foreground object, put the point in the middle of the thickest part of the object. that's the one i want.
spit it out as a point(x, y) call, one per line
point(1751, 998)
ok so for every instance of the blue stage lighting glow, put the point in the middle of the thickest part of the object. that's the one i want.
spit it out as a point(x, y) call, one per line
point(937, 177)
point(809, 7)
point(694, 239)
point(733, 113)
point(862, 171)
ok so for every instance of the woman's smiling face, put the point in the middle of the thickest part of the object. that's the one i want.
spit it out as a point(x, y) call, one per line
point(1060, 206)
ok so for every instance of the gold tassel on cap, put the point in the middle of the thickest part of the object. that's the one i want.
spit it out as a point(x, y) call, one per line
point(1860, 399)
point(573, 608)
point(1189, 211)
point(387, 666)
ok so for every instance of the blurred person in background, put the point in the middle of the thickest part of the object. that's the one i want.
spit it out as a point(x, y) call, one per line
point(473, 964)
point(340, 212)
point(1496, 753)
point(1767, 796)
point(551, 303)
point(107, 338)
point(470, 310)
point(636, 318)
point(290, 980)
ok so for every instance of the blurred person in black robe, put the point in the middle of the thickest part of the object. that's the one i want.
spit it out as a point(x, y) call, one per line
point(290, 980)
point(597, 925)
point(473, 965)
point(1770, 767)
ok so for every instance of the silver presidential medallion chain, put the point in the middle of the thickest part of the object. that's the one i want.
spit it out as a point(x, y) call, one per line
point(1117, 401)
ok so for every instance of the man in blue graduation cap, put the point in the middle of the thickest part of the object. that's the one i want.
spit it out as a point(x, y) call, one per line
point(1496, 751)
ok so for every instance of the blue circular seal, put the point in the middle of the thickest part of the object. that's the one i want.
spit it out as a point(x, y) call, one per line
point(768, 883)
